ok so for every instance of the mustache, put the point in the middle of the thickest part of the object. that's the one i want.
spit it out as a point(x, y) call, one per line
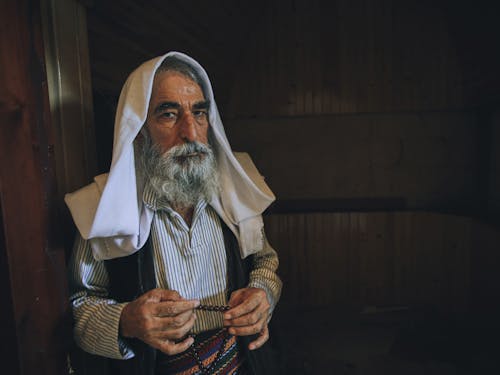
point(188, 149)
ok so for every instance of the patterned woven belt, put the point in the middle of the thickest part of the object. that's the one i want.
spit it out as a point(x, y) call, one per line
point(213, 352)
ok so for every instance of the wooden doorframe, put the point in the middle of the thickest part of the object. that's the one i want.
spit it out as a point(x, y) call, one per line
point(40, 160)
point(64, 27)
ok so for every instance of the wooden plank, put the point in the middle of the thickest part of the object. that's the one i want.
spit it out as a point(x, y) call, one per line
point(356, 260)
point(316, 63)
point(10, 352)
point(32, 244)
point(68, 76)
point(427, 161)
point(485, 263)
point(347, 56)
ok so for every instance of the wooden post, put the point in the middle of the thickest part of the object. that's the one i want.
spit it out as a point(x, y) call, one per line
point(31, 257)
point(66, 53)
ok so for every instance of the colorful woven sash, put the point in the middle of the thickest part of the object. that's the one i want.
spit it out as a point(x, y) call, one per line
point(229, 361)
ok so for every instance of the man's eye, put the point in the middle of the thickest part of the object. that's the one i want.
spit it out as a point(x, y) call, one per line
point(168, 115)
point(200, 113)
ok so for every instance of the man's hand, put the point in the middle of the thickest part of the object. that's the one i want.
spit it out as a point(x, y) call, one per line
point(160, 318)
point(248, 315)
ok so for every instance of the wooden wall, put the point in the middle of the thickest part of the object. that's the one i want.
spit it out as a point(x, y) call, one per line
point(347, 56)
point(485, 279)
point(33, 289)
point(494, 166)
point(125, 33)
point(363, 100)
point(70, 97)
point(356, 99)
point(426, 160)
point(70, 92)
point(413, 259)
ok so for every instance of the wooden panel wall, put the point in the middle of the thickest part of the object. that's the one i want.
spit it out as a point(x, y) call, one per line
point(31, 254)
point(428, 160)
point(494, 172)
point(357, 99)
point(347, 56)
point(70, 92)
point(355, 260)
point(123, 34)
point(485, 266)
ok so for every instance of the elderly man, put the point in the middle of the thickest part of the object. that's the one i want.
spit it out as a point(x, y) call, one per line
point(171, 272)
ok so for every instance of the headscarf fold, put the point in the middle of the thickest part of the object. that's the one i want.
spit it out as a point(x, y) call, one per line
point(110, 212)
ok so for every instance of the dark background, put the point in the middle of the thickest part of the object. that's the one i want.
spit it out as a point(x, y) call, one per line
point(375, 122)
point(377, 125)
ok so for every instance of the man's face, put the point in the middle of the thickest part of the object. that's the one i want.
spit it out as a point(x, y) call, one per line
point(178, 111)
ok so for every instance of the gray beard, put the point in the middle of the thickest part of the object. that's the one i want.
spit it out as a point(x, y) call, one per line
point(179, 176)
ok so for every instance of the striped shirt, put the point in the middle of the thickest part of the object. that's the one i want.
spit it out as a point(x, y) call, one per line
point(188, 259)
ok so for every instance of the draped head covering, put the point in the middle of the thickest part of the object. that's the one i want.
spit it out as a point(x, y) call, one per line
point(110, 212)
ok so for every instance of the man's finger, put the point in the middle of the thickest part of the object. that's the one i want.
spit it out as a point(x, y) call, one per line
point(261, 339)
point(158, 294)
point(246, 320)
point(246, 330)
point(183, 322)
point(173, 308)
point(171, 347)
point(243, 308)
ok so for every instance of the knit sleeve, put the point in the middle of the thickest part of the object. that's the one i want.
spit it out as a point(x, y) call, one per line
point(96, 316)
point(263, 274)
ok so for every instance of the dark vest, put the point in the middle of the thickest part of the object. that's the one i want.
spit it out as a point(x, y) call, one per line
point(133, 275)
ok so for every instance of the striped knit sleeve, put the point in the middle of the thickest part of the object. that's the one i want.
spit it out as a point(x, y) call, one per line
point(263, 275)
point(96, 316)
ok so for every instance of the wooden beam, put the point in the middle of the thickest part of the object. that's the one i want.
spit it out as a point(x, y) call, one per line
point(31, 253)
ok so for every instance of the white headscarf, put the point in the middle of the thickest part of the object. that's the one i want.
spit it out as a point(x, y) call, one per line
point(110, 212)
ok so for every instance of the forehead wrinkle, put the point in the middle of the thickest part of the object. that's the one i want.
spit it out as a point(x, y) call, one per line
point(175, 88)
point(190, 87)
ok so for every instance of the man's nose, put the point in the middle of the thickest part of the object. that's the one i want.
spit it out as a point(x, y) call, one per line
point(188, 127)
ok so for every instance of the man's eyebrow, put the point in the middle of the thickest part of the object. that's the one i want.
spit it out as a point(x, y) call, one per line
point(166, 105)
point(205, 104)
